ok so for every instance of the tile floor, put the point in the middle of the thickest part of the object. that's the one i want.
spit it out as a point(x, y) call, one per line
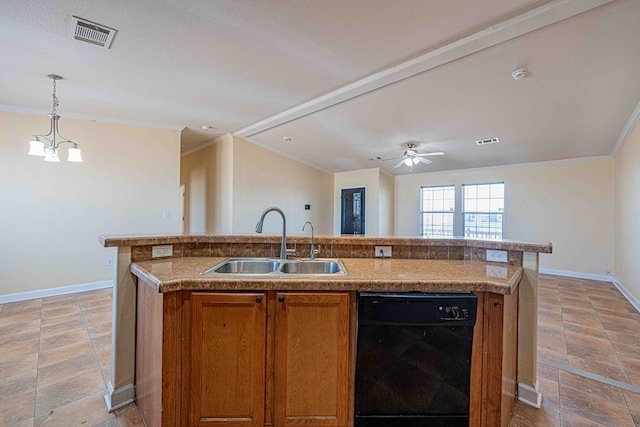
point(587, 328)
point(55, 358)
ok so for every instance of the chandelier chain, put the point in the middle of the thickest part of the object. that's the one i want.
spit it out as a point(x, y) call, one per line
point(55, 98)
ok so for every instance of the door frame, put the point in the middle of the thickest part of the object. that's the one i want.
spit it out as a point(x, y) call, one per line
point(364, 206)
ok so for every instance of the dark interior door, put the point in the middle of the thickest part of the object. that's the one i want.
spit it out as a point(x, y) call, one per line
point(353, 211)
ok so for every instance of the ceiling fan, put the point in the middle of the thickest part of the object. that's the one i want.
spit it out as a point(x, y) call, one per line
point(411, 157)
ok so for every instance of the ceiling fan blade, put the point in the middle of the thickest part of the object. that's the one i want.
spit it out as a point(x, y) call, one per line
point(436, 153)
point(425, 161)
point(399, 164)
point(392, 158)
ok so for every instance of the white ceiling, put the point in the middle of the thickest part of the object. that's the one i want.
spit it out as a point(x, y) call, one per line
point(347, 81)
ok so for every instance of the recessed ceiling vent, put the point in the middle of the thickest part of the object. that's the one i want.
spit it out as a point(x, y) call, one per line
point(90, 32)
point(487, 141)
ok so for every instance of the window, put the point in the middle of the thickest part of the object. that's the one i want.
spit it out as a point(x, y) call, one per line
point(483, 210)
point(437, 207)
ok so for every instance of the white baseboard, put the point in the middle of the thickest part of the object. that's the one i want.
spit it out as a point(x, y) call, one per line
point(43, 293)
point(575, 274)
point(120, 397)
point(624, 291)
point(530, 395)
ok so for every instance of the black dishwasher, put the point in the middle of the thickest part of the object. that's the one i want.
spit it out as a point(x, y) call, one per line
point(413, 362)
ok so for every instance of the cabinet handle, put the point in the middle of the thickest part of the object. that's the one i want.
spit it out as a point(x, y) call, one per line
point(281, 298)
point(258, 300)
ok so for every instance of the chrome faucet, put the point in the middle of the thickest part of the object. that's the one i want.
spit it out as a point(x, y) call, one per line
point(312, 251)
point(283, 245)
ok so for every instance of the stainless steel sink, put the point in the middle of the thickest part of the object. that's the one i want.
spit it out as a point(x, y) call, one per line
point(311, 267)
point(270, 266)
point(245, 266)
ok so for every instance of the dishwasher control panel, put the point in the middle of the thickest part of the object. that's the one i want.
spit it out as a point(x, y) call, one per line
point(417, 308)
point(453, 312)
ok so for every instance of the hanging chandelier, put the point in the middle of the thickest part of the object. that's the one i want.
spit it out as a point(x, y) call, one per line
point(48, 145)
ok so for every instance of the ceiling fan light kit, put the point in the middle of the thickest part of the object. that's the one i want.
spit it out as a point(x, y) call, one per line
point(411, 157)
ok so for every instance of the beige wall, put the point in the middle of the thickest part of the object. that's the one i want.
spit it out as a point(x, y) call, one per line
point(52, 213)
point(568, 203)
point(370, 180)
point(262, 178)
point(386, 200)
point(627, 214)
point(235, 180)
point(206, 174)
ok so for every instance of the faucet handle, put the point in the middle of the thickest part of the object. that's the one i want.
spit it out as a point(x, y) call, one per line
point(291, 251)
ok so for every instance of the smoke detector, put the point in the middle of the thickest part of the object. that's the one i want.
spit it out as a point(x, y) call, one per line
point(91, 32)
point(520, 73)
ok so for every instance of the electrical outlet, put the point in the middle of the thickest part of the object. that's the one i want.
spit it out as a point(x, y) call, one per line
point(161, 251)
point(165, 215)
point(383, 251)
point(496, 256)
point(108, 261)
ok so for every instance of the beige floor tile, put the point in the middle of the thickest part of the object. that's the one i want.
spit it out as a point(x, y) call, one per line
point(597, 332)
point(129, 416)
point(17, 410)
point(600, 367)
point(103, 354)
point(21, 307)
point(595, 408)
point(63, 353)
point(584, 319)
point(101, 340)
point(28, 335)
point(630, 363)
point(618, 324)
point(60, 311)
point(62, 319)
point(88, 411)
point(99, 329)
point(20, 327)
point(98, 315)
point(17, 384)
point(18, 318)
point(60, 371)
point(74, 336)
point(69, 390)
point(75, 322)
point(60, 299)
point(14, 350)
point(18, 366)
point(527, 416)
point(569, 419)
point(596, 388)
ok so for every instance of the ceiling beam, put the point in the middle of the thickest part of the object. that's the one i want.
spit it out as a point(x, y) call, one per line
point(542, 16)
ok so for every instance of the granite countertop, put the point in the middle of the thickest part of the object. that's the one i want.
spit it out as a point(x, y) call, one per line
point(364, 274)
point(164, 239)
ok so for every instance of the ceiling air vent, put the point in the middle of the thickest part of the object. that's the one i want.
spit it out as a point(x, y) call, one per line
point(90, 32)
point(487, 141)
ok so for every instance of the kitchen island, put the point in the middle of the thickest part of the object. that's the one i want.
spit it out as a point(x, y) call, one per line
point(172, 298)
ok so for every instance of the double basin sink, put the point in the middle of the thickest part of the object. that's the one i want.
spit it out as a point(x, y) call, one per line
point(272, 266)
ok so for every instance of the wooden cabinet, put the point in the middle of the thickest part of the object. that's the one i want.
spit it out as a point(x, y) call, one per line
point(302, 346)
point(228, 359)
point(312, 350)
point(281, 359)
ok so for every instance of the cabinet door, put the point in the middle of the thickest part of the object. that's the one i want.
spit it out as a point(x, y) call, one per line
point(311, 359)
point(228, 359)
